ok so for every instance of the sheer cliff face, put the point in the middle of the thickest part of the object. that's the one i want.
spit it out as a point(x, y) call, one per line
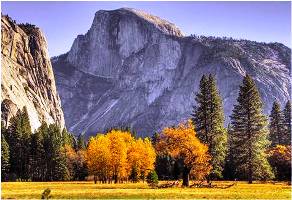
point(27, 77)
point(135, 70)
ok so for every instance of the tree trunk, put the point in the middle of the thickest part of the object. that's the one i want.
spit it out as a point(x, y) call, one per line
point(250, 175)
point(250, 172)
point(186, 178)
point(116, 178)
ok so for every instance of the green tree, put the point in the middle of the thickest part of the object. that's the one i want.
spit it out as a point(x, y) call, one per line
point(208, 118)
point(200, 112)
point(81, 143)
point(19, 134)
point(229, 167)
point(152, 179)
point(55, 154)
point(68, 138)
point(287, 123)
point(4, 155)
point(249, 134)
point(276, 125)
point(38, 159)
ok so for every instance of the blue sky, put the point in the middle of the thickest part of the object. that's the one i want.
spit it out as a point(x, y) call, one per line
point(63, 21)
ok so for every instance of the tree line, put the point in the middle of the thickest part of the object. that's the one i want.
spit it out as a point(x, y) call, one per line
point(250, 148)
point(49, 154)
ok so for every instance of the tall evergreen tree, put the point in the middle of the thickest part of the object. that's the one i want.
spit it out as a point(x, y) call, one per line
point(208, 118)
point(55, 154)
point(249, 134)
point(229, 167)
point(26, 140)
point(200, 112)
point(81, 144)
point(276, 125)
point(19, 133)
point(38, 159)
point(287, 123)
point(4, 155)
point(68, 138)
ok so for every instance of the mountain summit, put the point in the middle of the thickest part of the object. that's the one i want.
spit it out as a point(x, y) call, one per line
point(132, 69)
point(145, 19)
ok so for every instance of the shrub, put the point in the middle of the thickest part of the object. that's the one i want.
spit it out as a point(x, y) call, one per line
point(152, 179)
point(46, 194)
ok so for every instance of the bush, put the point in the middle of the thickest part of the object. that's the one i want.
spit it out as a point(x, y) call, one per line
point(152, 179)
point(46, 194)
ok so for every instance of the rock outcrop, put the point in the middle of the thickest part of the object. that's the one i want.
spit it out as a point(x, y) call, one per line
point(135, 70)
point(27, 77)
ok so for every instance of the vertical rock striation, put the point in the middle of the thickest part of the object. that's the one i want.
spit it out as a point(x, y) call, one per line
point(27, 77)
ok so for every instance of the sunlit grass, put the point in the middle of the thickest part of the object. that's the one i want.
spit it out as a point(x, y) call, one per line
point(89, 190)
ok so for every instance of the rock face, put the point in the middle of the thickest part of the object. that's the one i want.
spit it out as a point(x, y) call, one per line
point(27, 77)
point(135, 70)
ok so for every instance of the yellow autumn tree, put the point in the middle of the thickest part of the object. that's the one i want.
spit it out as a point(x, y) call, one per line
point(98, 157)
point(181, 143)
point(71, 157)
point(119, 144)
point(112, 156)
point(141, 157)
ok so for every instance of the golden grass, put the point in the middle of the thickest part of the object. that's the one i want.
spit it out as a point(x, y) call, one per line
point(89, 190)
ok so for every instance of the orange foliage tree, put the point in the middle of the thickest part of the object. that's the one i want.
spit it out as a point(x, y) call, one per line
point(181, 143)
point(280, 160)
point(112, 156)
point(98, 157)
point(141, 156)
point(76, 162)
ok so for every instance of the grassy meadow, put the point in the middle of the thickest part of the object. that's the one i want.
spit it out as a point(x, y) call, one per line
point(89, 190)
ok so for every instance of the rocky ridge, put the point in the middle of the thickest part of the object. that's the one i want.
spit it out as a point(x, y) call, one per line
point(132, 69)
point(27, 77)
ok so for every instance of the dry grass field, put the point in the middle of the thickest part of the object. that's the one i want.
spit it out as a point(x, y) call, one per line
point(89, 190)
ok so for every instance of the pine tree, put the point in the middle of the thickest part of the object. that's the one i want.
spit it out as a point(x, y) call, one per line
point(208, 118)
point(249, 134)
point(229, 167)
point(4, 155)
point(38, 159)
point(55, 154)
point(68, 138)
point(200, 112)
point(14, 137)
point(26, 140)
point(81, 144)
point(287, 123)
point(276, 125)
point(19, 133)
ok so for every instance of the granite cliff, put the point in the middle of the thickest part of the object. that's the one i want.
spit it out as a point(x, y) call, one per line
point(27, 77)
point(132, 69)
